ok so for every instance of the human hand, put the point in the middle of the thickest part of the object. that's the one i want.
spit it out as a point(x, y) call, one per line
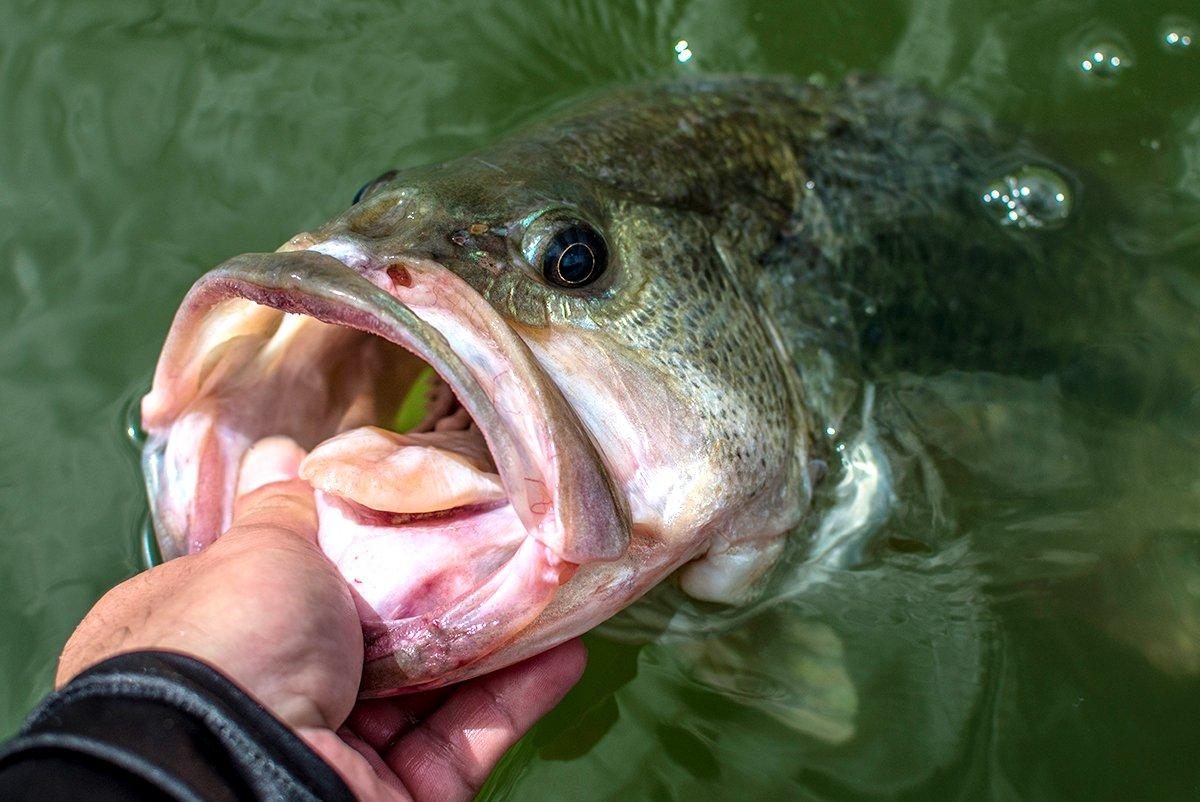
point(266, 608)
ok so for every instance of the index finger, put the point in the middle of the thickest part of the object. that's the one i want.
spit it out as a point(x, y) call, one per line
point(450, 755)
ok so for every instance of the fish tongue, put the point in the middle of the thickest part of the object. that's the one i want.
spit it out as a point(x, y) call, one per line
point(405, 473)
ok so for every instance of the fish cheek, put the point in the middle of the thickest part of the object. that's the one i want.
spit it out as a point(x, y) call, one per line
point(681, 388)
point(737, 388)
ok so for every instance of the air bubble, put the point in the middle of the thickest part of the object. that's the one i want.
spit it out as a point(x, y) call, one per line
point(1104, 61)
point(131, 420)
point(1177, 35)
point(1030, 197)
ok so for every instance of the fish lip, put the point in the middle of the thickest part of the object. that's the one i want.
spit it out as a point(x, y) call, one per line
point(317, 285)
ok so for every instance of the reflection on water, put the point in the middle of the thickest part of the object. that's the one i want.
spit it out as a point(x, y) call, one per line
point(998, 593)
point(1177, 34)
point(1104, 61)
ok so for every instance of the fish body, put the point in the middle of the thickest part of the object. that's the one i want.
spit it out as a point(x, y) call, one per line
point(644, 312)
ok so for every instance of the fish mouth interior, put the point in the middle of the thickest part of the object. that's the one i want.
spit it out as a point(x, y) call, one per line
point(451, 534)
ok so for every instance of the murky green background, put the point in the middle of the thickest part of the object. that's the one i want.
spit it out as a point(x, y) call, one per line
point(1049, 648)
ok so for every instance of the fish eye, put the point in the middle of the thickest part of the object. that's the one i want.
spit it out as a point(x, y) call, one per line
point(368, 187)
point(575, 256)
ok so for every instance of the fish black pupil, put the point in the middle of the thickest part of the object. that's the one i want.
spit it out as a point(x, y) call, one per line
point(575, 257)
point(576, 263)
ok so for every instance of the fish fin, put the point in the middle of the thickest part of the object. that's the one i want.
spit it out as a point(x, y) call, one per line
point(989, 424)
point(727, 576)
point(793, 670)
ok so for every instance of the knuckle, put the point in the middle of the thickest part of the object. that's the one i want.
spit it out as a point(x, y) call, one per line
point(496, 708)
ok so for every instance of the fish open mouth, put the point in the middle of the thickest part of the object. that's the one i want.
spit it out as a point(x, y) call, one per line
point(454, 533)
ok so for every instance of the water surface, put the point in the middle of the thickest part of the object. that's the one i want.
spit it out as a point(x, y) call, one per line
point(1022, 621)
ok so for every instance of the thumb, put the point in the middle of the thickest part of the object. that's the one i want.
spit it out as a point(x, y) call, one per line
point(270, 493)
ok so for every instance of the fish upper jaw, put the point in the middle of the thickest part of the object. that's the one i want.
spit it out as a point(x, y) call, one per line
point(233, 370)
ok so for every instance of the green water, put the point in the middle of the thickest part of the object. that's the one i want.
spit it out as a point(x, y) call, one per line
point(1047, 645)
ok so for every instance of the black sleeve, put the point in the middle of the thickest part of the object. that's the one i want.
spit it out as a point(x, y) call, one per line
point(157, 725)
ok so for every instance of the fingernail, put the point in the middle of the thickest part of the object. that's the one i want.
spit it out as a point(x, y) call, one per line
point(272, 459)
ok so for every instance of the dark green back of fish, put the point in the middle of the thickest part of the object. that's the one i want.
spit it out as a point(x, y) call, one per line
point(853, 212)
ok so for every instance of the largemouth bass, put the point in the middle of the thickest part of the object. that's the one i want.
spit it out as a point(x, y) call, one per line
point(644, 314)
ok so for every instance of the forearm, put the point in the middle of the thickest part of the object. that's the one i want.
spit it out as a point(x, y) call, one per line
point(156, 725)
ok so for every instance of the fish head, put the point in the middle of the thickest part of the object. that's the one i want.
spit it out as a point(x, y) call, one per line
point(634, 408)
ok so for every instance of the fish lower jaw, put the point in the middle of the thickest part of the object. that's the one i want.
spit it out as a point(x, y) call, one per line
point(438, 592)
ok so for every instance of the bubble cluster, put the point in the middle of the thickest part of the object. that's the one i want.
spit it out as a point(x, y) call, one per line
point(1104, 61)
point(1177, 34)
point(1030, 197)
